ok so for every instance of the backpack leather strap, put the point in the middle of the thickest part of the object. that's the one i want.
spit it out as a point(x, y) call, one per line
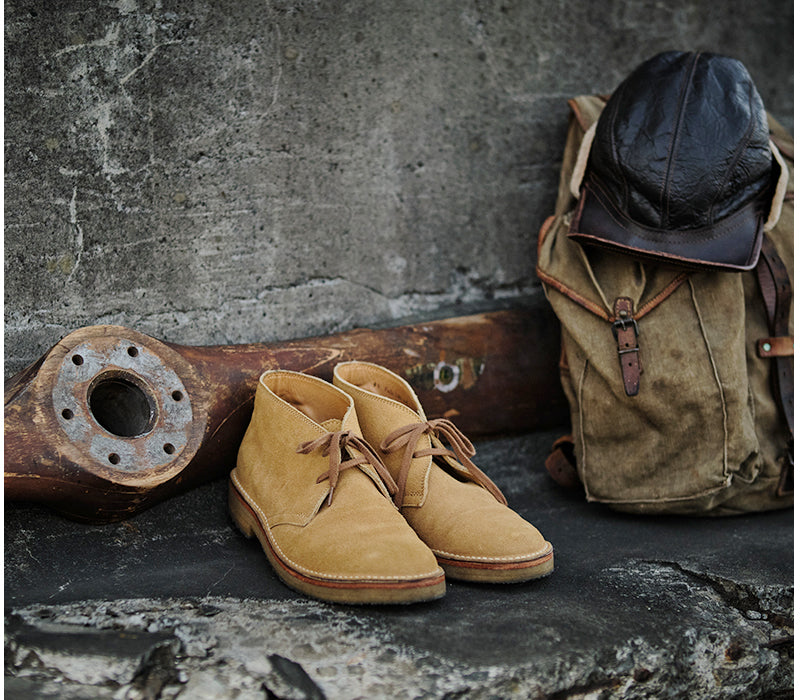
point(561, 465)
point(776, 290)
point(626, 333)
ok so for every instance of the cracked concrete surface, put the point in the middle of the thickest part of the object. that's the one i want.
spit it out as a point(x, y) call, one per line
point(175, 603)
point(254, 171)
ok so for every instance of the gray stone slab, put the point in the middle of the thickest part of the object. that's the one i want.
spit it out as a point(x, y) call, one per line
point(637, 607)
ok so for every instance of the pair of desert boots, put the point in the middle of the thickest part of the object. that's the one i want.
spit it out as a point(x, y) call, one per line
point(356, 497)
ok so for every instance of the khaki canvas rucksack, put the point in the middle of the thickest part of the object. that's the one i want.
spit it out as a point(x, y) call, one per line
point(679, 380)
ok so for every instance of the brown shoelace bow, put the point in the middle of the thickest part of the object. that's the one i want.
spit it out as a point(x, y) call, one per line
point(333, 444)
point(462, 450)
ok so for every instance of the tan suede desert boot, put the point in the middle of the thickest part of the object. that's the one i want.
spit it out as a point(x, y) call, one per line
point(451, 504)
point(313, 492)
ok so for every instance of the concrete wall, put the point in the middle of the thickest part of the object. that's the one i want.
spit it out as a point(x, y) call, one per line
point(224, 172)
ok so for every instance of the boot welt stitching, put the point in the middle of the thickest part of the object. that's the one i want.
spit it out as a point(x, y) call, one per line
point(299, 568)
point(543, 553)
point(497, 566)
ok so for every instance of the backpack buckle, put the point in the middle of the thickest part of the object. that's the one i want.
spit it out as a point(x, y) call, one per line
point(626, 335)
point(624, 323)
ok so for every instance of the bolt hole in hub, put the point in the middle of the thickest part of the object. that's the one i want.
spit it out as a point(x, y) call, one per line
point(122, 407)
point(125, 413)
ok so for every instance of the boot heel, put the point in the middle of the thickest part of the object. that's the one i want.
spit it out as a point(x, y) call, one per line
point(241, 514)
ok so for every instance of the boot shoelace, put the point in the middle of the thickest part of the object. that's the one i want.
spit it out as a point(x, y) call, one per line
point(462, 450)
point(333, 445)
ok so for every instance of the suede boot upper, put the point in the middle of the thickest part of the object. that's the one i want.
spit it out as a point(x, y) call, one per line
point(319, 496)
point(452, 505)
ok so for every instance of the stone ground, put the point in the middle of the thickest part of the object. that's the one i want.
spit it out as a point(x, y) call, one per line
point(176, 603)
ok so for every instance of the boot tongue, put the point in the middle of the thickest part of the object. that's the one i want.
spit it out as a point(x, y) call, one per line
point(333, 425)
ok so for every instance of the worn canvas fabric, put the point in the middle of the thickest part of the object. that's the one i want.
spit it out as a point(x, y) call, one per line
point(669, 372)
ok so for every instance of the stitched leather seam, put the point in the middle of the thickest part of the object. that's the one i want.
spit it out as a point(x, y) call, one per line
point(661, 296)
point(572, 294)
point(545, 228)
point(739, 151)
point(684, 96)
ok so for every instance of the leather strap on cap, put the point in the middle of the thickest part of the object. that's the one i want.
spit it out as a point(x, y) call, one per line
point(626, 333)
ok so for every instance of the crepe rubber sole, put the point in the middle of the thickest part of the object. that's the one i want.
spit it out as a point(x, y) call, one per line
point(494, 572)
point(331, 590)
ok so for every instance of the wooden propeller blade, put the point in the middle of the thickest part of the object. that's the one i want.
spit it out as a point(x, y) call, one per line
point(110, 420)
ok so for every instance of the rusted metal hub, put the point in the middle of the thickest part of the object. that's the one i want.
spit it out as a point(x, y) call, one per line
point(122, 402)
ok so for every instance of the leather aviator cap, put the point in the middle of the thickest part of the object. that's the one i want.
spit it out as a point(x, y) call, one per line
point(680, 166)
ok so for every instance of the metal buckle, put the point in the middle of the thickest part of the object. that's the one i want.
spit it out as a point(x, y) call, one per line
point(623, 324)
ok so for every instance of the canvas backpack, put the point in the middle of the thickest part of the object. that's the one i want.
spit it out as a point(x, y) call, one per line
point(679, 381)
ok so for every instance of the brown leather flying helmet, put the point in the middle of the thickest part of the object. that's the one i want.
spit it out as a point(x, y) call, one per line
point(680, 167)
